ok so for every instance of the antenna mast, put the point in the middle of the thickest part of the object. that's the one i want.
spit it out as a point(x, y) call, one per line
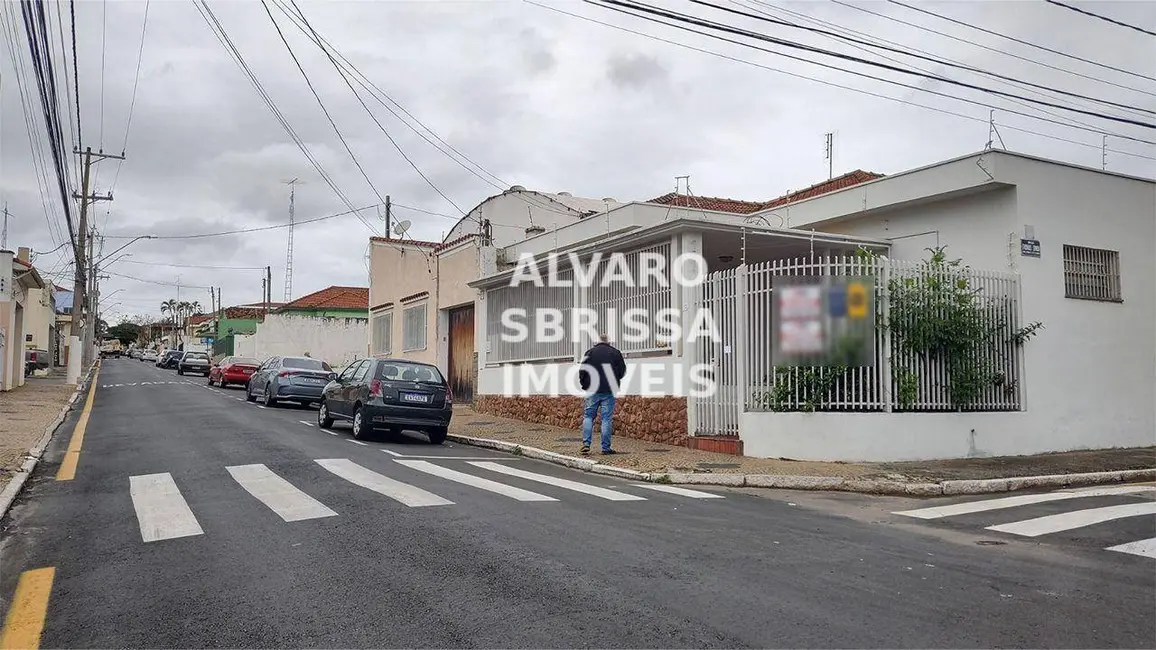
point(830, 151)
point(289, 254)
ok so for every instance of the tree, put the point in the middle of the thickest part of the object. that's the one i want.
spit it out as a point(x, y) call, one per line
point(125, 332)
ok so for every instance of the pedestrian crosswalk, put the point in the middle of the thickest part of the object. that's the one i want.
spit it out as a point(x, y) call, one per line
point(1074, 517)
point(163, 512)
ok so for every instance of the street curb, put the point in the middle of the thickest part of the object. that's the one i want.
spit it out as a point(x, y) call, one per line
point(8, 496)
point(822, 483)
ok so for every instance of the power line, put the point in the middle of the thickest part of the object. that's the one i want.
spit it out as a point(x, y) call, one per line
point(883, 40)
point(817, 80)
point(991, 49)
point(157, 282)
point(195, 266)
point(424, 211)
point(649, 9)
point(76, 74)
point(931, 59)
point(132, 102)
point(1020, 41)
point(333, 61)
point(320, 103)
point(354, 211)
point(223, 37)
point(1104, 18)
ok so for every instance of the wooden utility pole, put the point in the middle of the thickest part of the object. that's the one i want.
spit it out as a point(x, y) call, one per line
point(83, 259)
point(388, 217)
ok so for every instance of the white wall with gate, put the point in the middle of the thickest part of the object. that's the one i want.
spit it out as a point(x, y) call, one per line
point(334, 340)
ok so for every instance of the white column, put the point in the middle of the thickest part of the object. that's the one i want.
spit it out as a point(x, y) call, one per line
point(689, 301)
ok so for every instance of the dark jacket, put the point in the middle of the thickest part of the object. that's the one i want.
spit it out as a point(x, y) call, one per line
point(598, 360)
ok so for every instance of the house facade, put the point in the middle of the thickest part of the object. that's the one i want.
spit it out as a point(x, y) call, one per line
point(330, 324)
point(21, 291)
point(990, 209)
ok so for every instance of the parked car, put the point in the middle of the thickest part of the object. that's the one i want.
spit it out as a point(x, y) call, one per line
point(232, 370)
point(194, 363)
point(391, 394)
point(148, 355)
point(170, 359)
point(289, 379)
point(36, 359)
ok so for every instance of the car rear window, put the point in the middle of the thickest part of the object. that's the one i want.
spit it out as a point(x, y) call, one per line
point(304, 364)
point(403, 371)
point(197, 355)
point(243, 361)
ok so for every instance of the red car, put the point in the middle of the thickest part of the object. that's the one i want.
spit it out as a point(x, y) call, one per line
point(232, 370)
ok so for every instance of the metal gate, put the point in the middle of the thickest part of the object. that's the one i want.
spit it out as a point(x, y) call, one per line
point(461, 356)
point(718, 414)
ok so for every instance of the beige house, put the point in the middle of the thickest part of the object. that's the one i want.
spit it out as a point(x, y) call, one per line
point(21, 291)
point(421, 304)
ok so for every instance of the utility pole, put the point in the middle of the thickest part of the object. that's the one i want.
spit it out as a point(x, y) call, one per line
point(4, 233)
point(388, 216)
point(268, 287)
point(76, 348)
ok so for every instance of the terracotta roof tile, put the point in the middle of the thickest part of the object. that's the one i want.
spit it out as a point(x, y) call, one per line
point(197, 319)
point(331, 298)
point(244, 313)
point(454, 242)
point(747, 207)
point(414, 242)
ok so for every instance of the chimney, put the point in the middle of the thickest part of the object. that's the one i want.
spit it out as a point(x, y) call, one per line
point(24, 254)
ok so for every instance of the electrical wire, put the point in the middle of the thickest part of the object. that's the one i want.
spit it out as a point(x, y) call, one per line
point(195, 266)
point(76, 75)
point(856, 73)
point(684, 18)
point(320, 103)
point(991, 49)
point(776, 21)
point(223, 37)
point(817, 80)
point(303, 222)
point(132, 102)
point(818, 21)
point(157, 282)
point(1020, 41)
point(1104, 18)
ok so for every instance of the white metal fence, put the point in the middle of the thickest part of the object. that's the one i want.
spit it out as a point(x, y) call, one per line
point(506, 348)
point(901, 379)
point(621, 296)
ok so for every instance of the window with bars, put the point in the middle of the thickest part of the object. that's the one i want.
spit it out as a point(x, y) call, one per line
point(1092, 274)
point(383, 333)
point(413, 328)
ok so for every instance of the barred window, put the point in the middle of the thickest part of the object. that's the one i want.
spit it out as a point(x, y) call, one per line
point(413, 328)
point(383, 333)
point(1092, 274)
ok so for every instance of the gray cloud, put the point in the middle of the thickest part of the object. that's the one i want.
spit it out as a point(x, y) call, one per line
point(539, 99)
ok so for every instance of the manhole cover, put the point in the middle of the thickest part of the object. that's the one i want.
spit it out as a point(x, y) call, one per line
point(718, 465)
point(479, 423)
point(569, 440)
point(990, 542)
point(658, 451)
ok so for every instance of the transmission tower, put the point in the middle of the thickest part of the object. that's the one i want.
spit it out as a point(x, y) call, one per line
point(289, 254)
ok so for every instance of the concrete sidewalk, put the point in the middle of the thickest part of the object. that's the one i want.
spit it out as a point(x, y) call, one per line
point(25, 413)
point(657, 458)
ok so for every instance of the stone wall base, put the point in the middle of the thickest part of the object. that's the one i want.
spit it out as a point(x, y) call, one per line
point(657, 419)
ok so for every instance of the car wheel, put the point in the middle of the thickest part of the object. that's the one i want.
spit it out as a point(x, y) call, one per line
point(223, 383)
point(437, 436)
point(268, 399)
point(180, 372)
point(249, 396)
point(210, 380)
point(361, 430)
point(324, 420)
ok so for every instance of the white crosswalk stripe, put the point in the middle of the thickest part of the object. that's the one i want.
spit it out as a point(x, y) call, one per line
point(402, 492)
point(985, 505)
point(1143, 547)
point(474, 481)
point(1076, 519)
point(280, 495)
point(682, 492)
point(161, 510)
point(565, 484)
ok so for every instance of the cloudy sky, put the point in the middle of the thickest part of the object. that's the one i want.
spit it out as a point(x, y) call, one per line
point(533, 97)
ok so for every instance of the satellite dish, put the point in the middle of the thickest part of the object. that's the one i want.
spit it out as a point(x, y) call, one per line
point(402, 227)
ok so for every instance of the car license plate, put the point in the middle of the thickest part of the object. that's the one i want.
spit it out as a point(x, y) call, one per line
point(247, 372)
point(314, 380)
point(414, 397)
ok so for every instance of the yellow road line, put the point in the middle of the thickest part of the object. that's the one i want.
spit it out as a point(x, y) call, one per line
point(25, 619)
point(67, 470)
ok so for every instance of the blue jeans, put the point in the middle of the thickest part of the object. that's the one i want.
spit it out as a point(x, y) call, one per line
point(605, 401)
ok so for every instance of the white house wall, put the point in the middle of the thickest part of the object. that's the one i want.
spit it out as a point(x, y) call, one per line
point(335, 341)
point(1089, 375)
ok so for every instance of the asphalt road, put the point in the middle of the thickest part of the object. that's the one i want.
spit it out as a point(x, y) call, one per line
point(502, 567)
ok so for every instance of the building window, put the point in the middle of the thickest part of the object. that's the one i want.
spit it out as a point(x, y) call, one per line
point(1092, 274)
point(413, 328)
point(383, 333)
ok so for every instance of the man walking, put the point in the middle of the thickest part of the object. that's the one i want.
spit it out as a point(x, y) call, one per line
point(602, 368)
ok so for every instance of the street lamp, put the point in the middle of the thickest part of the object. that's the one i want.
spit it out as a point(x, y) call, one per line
point(104, 265)
point(107, 297)
point(131, 241)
